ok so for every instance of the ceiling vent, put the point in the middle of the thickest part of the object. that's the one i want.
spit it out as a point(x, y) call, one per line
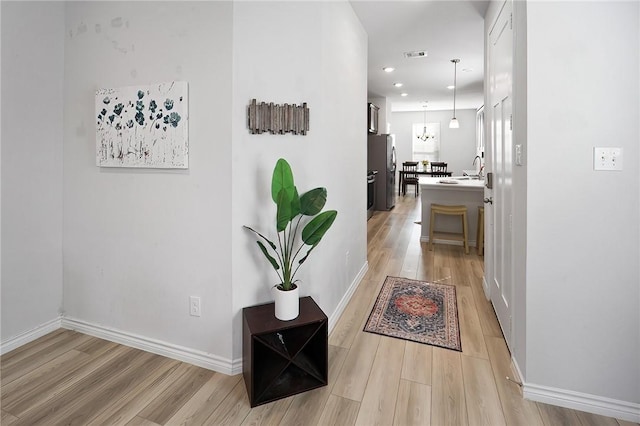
point(416, 54)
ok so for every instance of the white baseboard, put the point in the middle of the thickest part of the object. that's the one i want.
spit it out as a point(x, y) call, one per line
point(623, 410)
point(485, 287)
point(576, 400)
point(29, 336)
point(180, 353)
point(337, 312)
point(517, 372)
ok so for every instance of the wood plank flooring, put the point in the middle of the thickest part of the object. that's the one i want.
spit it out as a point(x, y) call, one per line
point(73, 379)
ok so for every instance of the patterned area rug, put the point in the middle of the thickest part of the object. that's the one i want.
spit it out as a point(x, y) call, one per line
point(417, 310)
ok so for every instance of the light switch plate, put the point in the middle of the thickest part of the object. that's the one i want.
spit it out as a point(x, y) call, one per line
point(518, 155)
point(195, 310)
point(607, 158)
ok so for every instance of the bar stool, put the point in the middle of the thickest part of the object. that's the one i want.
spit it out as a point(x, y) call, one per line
point(480, 234)
point(454, 236)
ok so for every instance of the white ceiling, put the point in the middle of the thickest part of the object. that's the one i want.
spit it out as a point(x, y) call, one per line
point(446, 29)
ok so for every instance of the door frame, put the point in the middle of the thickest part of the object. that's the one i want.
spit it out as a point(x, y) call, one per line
point(490, 244)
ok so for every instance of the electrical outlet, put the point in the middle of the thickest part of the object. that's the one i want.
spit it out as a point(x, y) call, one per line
point(607, 158)
point(346, 259)
point(194, 306)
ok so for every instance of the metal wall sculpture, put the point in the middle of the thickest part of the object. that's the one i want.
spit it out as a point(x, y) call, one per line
point(277, 119)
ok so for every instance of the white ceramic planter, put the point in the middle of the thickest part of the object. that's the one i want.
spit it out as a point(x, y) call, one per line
point(287, 303)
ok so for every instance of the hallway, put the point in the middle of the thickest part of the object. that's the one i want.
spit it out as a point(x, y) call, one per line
point(401, 382)
point(70, 378)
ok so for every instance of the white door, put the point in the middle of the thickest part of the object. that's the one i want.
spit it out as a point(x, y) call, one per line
point(500, 277)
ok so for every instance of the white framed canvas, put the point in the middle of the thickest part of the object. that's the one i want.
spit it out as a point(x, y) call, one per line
point(143, 126)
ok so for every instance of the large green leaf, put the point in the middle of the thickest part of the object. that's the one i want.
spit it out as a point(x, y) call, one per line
point(306, 255)
point(270, 258)
point(282, 179)
point(312, 202)
point(283, 215)
point(295, 203)
point(315, 230)
point(273, 246)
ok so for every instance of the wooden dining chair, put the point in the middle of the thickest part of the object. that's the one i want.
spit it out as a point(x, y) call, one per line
point(410, 178)
point(439, 169)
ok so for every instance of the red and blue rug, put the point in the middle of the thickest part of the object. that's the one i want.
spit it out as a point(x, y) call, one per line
point(418, 311)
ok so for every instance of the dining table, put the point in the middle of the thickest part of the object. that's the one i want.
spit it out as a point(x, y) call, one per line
point(401, 173)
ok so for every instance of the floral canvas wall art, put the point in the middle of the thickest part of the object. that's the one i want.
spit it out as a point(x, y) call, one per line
point(143, 126)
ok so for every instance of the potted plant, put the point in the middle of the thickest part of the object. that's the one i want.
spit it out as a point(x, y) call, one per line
point(294, 213)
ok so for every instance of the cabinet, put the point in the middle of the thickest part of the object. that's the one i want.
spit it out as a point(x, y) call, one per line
point(283, 358)
point(372, 118)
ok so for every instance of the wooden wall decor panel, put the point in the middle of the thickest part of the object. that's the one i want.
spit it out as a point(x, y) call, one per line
point(277, 119)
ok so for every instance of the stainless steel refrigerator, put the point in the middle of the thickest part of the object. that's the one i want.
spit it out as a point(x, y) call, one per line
point(381, 156)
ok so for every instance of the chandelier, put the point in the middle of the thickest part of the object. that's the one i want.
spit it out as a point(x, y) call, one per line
point(424, 136)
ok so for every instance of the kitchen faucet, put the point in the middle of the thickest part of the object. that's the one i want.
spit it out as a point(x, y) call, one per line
point(481, 166)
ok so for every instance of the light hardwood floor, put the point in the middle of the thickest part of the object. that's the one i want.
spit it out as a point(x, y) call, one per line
point(70, 378)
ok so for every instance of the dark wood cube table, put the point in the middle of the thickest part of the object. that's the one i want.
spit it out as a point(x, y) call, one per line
point(283, 358)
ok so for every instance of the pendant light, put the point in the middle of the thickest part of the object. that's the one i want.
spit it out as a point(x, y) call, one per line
point(424, 136)
point(453, 124)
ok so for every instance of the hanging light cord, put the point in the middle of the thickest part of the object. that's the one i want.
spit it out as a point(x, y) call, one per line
point(453, 124)
point(424, 122)
point(455, 85)
point(424, 135)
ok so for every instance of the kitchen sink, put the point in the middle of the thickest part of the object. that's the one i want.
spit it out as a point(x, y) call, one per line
point(467, 178)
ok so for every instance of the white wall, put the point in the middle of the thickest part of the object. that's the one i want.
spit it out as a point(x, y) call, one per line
point(583, 297)
point(32, 77)
point(457, 146)
point(138, 243)
point(295, 52)
point(133, 244)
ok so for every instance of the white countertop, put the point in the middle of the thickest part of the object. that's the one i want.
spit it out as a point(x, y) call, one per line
point(461, 183)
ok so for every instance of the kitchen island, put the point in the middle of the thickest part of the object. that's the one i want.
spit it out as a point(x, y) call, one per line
point(457, 190)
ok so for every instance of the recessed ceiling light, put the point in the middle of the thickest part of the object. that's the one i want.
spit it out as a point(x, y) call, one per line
point(450, 87)
point(467, 69)
point(397, 84)
point(388, 69)
point(404, 94)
